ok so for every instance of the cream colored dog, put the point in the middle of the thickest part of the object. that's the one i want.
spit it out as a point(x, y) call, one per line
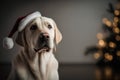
point(36, 60)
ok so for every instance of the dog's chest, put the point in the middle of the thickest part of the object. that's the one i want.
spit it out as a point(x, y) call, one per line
point(45, 59)
point(45, 64)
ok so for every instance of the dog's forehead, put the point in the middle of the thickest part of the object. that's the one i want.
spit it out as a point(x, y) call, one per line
point(47, 20)
point(43, 21)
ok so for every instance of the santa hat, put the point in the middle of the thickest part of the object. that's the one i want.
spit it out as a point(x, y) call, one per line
point(19, 26)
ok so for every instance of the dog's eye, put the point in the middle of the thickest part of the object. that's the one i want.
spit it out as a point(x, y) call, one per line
point(33, 27)
point(49, 26)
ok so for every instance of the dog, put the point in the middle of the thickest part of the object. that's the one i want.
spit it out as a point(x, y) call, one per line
point(36, 60)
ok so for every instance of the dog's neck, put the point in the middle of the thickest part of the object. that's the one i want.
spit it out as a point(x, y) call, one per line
point(33, 59)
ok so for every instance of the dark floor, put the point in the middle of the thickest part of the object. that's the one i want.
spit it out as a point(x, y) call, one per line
point(76, 72)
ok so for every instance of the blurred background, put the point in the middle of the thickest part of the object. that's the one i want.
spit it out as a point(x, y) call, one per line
point(78, 20)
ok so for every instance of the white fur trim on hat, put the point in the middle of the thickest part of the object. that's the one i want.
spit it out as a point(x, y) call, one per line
point(8, 43)
point(27, 19)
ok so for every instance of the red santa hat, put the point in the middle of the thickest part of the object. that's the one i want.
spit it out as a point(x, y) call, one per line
point(19, 26)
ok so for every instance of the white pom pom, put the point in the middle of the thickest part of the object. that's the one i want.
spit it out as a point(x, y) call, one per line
point(8, 43)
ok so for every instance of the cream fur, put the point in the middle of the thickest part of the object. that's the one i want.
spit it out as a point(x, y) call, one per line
point(31, 65)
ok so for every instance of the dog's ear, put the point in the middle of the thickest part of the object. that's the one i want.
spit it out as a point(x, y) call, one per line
point(58, 35)
point(19, 39)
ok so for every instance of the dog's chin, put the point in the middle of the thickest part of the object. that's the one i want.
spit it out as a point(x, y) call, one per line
point(40, 50)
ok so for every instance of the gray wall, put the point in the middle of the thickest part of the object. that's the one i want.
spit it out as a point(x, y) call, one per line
point(79, 21)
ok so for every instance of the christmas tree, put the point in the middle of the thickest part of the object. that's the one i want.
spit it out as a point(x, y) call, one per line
point(107, 50)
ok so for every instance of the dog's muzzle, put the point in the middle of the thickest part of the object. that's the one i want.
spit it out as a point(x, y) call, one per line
point(42, 43)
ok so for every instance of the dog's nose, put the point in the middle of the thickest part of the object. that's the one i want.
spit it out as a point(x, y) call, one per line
point(45, 35)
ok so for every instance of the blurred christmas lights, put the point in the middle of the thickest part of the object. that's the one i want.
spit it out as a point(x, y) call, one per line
point(107, 49)
point(99, 36)
point(102, 43)
point(117, 38)
point(96, 55)
point(116, 30)
point(112, 45)
point(116, 19)
point(108, 57)
point(117, 12)
point(118, 53)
